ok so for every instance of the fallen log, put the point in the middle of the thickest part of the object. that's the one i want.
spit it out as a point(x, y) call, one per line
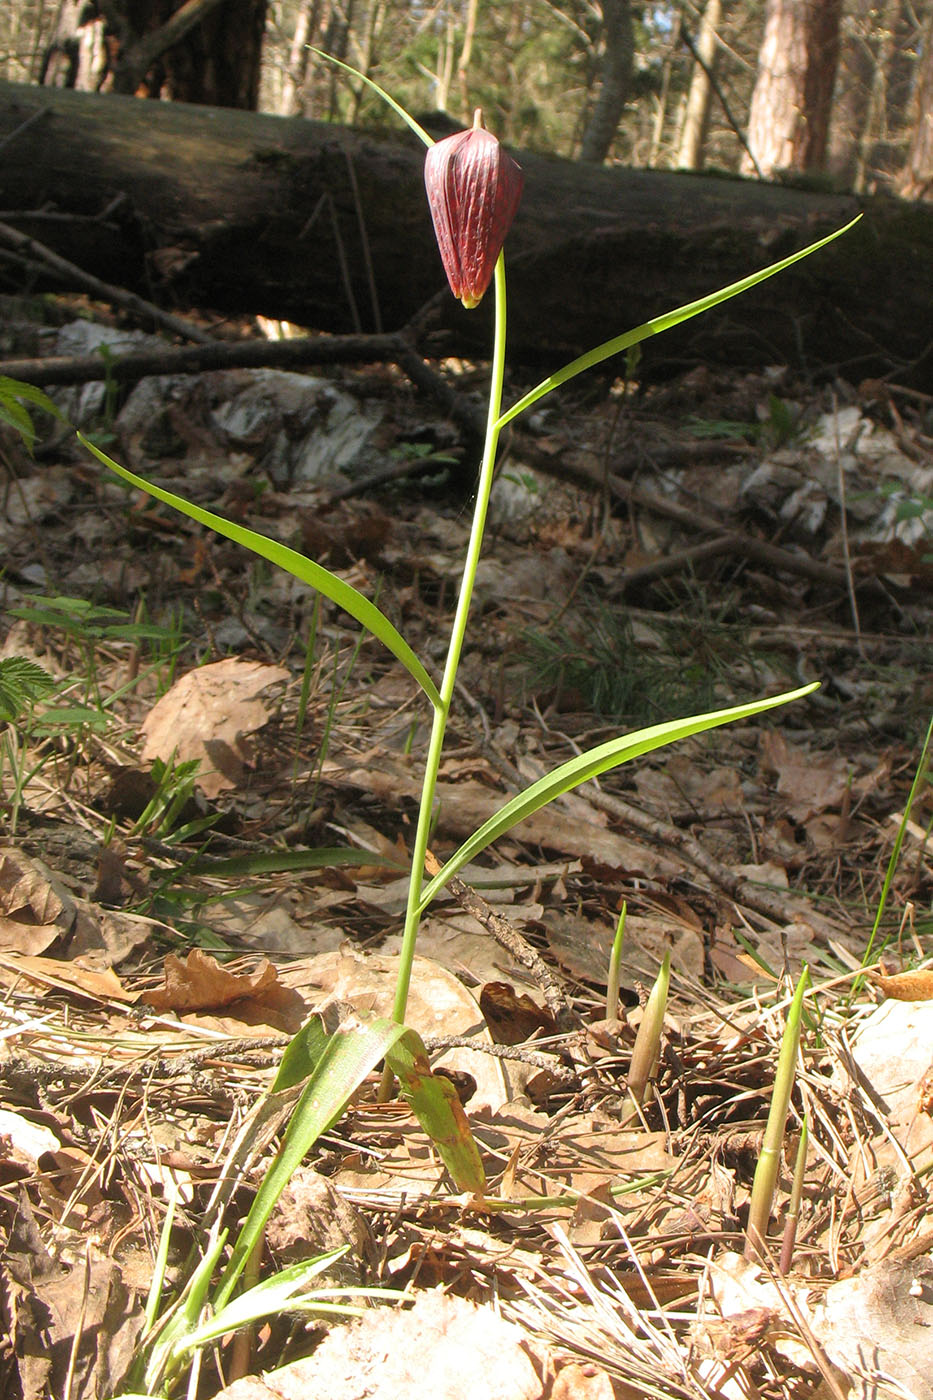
point(328, 227)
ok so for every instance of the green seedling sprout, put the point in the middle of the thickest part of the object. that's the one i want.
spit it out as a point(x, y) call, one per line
point(766, 1172)
point(647, 1047)
point(796, 1194)
point(615, 967)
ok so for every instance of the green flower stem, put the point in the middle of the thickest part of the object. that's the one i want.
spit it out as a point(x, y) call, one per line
point(458, 632)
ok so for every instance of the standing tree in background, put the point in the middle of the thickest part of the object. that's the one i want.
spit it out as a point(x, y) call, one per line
point(207, 51)
point(699, 97)
point(872, 98)
point(916, 179)
point(291, 98)
point(615, 80)
point(788, 124)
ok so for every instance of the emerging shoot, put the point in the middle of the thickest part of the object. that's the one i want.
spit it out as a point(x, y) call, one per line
point(766, 1173)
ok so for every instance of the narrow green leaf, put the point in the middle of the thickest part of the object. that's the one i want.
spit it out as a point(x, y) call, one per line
point(435, 1104)
point(71, 717)
point(397, 107)
point(274, 862)
point(160, 1354)
point(589, 765)
point(350, 1053)
point(298, 565)
point(302, 1055)
point(270, 1297)
point(660, 323)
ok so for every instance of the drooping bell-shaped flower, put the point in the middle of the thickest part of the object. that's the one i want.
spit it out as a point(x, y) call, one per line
point(473, 189)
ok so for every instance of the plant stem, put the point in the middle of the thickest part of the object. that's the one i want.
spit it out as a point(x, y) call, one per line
point(458, 632)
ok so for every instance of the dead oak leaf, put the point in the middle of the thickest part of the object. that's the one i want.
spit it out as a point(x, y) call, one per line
point(74, 1327)
point(811, 783)
point(35, 907)
point(907, 986)
point(208, 715)
point(200, 983)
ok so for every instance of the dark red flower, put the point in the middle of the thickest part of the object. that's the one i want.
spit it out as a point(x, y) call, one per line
point(473, 189)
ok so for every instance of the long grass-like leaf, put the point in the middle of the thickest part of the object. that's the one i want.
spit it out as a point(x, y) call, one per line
point(589, 765)
point(275, 862)
point(435, 1104)
point(294, 563)
point(397, 107)
point(660, 323)
point(345, 1059)
point(919, 776)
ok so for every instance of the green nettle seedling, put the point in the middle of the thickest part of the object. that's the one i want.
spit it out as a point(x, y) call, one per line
point(23, 683)
point(473, 188)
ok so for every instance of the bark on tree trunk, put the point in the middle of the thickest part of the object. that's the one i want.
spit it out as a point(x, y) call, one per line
point(789, 119)
point(615, 81)
point(76, 57)
point(916, 180)
point(291, 99)
point(241, 213)
point(696, 119)
point(205, 51)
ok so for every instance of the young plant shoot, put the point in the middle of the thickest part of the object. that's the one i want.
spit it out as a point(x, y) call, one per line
point(769, 1162)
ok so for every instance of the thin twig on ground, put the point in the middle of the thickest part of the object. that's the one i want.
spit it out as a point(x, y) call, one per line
point(514, 942)
point(106, 291)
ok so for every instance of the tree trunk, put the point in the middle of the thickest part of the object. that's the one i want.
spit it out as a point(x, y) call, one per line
point(291, 101)
point(615, 81)
point(466, 56)
point(205, 51)
point(240, 213)
point(696, 119)
point(788, 123)
point(660, 115)
point(76, 56)
point(916, 179)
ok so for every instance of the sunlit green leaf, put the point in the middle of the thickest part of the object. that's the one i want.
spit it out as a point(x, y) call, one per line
point(340, 1064)
point(435, 1104)
point(661, 323)
point(298, 565)
point(589, 765)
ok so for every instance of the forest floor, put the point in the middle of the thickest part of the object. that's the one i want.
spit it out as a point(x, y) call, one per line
point(207, 815)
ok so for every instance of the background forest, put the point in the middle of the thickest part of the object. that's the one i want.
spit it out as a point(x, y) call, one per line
point(835, 89)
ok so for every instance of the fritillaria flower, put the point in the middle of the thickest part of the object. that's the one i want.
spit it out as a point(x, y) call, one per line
point(473, 189)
